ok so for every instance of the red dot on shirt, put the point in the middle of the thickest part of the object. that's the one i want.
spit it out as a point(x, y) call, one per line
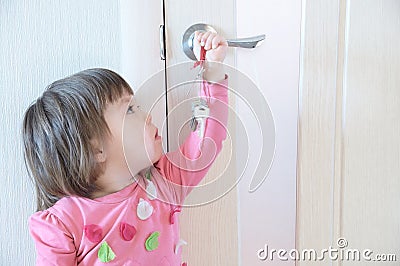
point(127, 231)
point(93, 232)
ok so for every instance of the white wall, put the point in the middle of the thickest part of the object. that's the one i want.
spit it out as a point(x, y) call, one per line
point(41, 41)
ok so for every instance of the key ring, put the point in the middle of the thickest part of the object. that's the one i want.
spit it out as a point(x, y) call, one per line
point(200, 63)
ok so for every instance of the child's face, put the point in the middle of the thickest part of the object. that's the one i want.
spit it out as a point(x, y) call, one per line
point(135, 139)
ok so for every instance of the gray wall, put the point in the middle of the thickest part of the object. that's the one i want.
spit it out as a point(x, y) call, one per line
point(41, 41)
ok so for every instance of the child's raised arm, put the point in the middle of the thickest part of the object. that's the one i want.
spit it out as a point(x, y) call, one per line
point(186, 167)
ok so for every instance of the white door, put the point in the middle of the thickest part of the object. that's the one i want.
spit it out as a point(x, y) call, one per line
point(268, 215)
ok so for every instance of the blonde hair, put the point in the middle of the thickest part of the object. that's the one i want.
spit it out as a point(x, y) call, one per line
point(59, 129)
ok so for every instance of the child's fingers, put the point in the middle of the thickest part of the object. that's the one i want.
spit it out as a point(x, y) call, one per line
point(198, 35)
point(204, 38)
point(213, 43)
point(217, 40)
point(209, 40)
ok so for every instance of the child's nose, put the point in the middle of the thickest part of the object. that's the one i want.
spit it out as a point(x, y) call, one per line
point(149, 119)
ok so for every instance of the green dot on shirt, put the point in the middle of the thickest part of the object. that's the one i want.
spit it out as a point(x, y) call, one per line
point(105, 254)
point(152, 241)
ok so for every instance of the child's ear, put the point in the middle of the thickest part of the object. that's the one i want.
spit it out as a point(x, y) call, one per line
point(99, 152)
point(100, 155)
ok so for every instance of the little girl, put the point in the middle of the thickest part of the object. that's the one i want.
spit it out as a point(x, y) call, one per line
point(106, 193)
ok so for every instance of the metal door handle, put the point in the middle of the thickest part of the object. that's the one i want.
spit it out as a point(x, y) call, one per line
point(188, 36)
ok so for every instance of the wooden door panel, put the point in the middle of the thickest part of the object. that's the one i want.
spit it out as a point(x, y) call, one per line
point(349, 145)
point(317, 94)
point(371, 130)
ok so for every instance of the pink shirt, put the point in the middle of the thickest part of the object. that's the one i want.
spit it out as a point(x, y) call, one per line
point(137, 225)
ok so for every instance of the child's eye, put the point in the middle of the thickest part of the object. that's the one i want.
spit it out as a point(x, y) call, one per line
point(130, 109)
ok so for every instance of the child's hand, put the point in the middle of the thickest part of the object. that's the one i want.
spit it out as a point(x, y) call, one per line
point(214, 44)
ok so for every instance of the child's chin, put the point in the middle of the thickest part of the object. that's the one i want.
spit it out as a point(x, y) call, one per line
point(157, 158)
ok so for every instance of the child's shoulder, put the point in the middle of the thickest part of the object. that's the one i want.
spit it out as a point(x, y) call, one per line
point(59, 225)
point(65, 210)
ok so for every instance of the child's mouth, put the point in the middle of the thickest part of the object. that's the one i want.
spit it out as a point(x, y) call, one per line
point(156, 135)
